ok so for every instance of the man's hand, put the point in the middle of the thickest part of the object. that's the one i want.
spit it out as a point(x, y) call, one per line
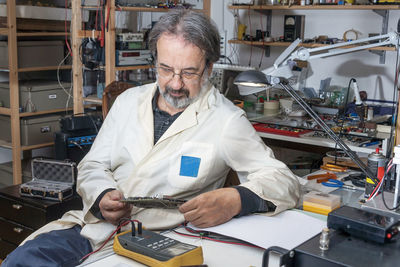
point(113, 210)
point(212, 208)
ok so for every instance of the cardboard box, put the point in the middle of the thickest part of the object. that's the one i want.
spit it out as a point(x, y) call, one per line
point(34, 53)
point(34, 130)
point(37, 95)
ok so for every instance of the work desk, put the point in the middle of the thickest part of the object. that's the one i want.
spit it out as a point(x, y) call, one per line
point(219, 254)
point(215, 255)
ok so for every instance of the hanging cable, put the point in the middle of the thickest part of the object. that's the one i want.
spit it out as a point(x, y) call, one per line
point(66, 28)
point(251, 39)
point(262, 37)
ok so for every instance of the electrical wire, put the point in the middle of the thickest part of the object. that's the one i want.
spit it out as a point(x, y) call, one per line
point(394, 106)
point(65, 27)
point(212, 237)
point(384, 201)
point(262, 37)
point(59, 82)
point(233, 47)
point(343, 118)
point(251, 39)
point(375, 192)
point(122, 223)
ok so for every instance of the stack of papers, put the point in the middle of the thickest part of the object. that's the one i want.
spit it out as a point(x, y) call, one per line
point(287, 229)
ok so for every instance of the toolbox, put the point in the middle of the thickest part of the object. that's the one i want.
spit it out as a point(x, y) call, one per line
point(38, 95)
point(34, 130)
point(51, 179)
point(34, 53)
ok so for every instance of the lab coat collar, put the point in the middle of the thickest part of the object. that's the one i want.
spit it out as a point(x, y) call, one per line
point(188, 118)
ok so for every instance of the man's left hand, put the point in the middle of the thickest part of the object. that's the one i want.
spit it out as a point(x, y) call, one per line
point(212, 208)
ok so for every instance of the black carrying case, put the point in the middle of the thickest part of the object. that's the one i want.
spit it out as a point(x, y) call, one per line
point(51, 180)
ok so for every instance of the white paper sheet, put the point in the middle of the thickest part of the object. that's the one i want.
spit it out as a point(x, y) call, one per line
point(287, 229)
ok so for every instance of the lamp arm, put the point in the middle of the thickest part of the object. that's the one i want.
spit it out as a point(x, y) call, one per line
point(309, 53)
point(285, 85)
point(286, 53)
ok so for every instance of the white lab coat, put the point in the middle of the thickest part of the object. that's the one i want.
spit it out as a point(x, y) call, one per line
point(125, 157)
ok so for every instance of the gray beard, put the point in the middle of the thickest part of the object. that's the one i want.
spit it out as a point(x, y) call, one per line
point(185, 101)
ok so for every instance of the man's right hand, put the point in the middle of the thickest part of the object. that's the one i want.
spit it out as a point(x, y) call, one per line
point(112, 209)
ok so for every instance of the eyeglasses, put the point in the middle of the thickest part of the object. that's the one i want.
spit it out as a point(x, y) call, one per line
point(185, 76)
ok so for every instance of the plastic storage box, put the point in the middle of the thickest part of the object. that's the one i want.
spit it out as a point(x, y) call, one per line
point(34, 53)
point(34, 130)
point(37, 95)
point(321, 203)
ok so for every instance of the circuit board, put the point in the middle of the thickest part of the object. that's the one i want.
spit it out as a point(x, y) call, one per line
point(155, 202)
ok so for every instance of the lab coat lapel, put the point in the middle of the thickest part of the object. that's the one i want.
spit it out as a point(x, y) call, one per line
point(188, 118)
point(145, 119)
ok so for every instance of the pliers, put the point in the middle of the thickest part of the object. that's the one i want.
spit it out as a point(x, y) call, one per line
point(339, 184)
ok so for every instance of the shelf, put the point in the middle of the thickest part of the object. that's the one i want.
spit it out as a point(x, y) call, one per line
point(93, 99)
point(3, 31)
point(88, 33)
point(27, 148)
point(311, 45)
point(318, 7)
point(148, 9)
point(29, 114)
point(141, 9)
point(92, 7)
point(42, 34)
point(8, 145)
point(5, 144)
point(137, 67)
point(62, 67)
point(5, 111)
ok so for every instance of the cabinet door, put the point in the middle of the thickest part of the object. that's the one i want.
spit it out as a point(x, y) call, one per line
point(13, 232)
point(22, 213)
point(6, 248)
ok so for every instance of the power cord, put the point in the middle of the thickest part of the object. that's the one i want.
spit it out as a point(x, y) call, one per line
point(123, 222)
point(211, 236)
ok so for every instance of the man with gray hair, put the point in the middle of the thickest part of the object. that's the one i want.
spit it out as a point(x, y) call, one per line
point(177, 137)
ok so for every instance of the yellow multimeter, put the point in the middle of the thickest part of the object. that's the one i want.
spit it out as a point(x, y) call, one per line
point(153, 249)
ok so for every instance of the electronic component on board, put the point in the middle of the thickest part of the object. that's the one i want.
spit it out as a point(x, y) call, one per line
point(154, 202)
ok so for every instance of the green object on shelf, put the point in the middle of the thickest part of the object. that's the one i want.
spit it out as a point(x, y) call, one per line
point(248, 104)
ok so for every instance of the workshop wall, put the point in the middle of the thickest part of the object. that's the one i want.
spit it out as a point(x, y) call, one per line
point(376, 79)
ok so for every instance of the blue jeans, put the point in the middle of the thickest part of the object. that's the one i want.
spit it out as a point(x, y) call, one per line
point(56, 248)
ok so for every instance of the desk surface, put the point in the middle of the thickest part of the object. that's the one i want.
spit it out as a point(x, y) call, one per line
point(214, 253)
point(220, 254)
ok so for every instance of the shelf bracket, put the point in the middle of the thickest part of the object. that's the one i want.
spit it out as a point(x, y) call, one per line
point(385, 22)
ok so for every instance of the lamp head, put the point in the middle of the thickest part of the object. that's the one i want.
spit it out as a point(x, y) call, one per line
point(253, 81)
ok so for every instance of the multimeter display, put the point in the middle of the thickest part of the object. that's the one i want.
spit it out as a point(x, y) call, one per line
point(157, 250)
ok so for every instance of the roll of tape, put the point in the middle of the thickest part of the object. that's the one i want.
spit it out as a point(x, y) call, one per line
point(271, 105)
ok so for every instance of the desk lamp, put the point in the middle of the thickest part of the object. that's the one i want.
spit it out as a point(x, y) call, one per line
point(252, 81)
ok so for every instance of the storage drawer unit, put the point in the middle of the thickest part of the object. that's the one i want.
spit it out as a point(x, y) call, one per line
point(34, 53)
point(21, 216)
point(34, 130)
point(38, 95)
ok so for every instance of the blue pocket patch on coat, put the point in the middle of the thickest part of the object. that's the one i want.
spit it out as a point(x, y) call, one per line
point(189, 166)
